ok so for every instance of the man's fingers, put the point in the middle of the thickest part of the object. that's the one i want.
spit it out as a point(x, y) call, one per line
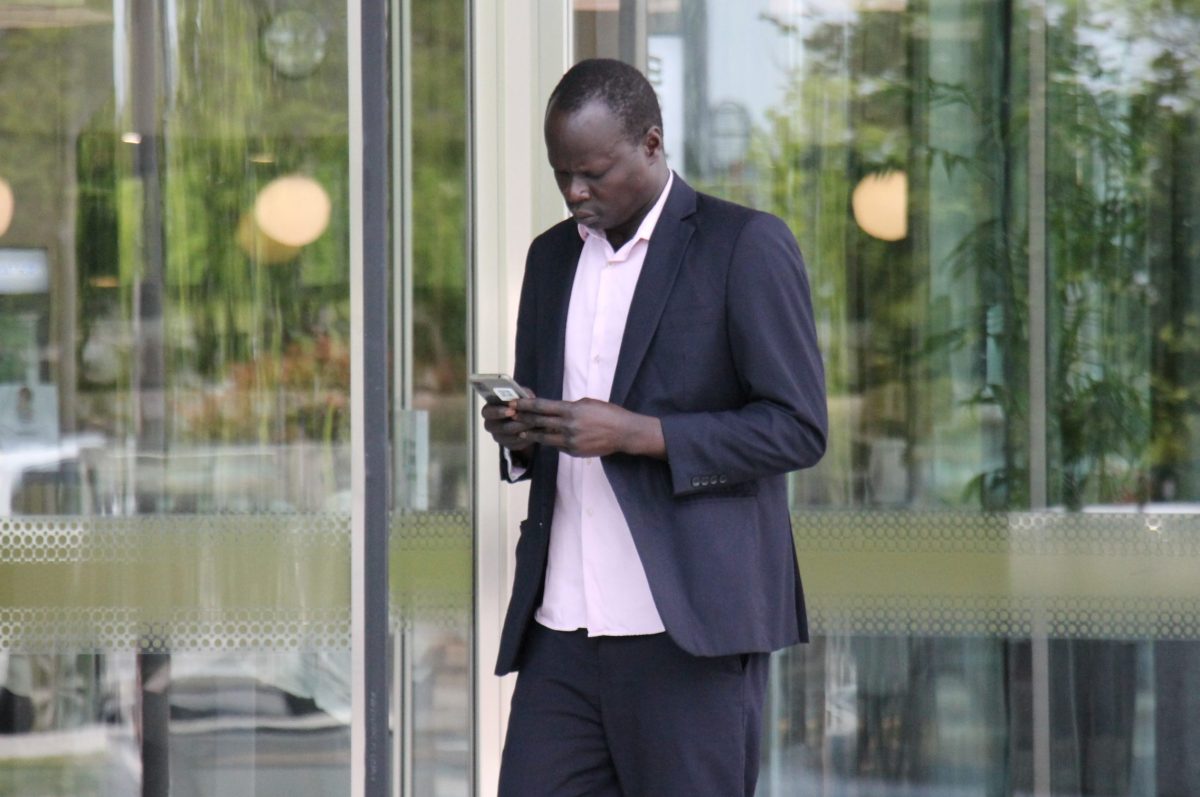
point(541, 406)
point(543, 423)
point(552, 439)
point(510, 428)
point(491, 412)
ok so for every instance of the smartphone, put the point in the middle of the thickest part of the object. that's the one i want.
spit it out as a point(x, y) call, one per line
point(498, 388)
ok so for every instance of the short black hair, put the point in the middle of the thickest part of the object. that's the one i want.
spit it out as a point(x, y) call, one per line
point(618, 85)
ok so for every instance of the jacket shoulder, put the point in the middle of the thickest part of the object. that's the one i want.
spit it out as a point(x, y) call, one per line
point(727, 219)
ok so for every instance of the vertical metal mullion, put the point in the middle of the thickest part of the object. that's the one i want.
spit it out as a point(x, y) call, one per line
point(153, 666)
point(1038, 363)
point(472, 258)
point(478, 620)
point(402, 213)
point(402, 342)
point(402, 742)
point(370, 220)
point(633, 27)
point(1038, 492)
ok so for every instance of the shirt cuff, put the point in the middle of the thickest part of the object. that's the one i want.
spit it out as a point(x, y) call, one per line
point(515, 471)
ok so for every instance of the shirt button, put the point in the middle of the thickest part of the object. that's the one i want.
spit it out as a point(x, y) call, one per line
point(590, 513)
point(596, 358)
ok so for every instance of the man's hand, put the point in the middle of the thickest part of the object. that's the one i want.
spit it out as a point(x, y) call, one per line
point(589, 428)
point(501, 422)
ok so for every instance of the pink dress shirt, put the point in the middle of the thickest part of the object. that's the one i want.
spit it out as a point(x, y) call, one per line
point(594, 577)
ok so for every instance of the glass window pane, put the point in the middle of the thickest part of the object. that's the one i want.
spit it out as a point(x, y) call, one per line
point(997, 203)
point(174, 398)
point(432, 539)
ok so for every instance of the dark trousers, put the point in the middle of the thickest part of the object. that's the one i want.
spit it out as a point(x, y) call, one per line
point(631, 717)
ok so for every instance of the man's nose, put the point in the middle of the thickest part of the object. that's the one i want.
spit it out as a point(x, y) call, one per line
point(576, 191)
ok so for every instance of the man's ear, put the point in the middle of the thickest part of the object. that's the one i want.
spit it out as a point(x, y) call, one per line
point(652, 142)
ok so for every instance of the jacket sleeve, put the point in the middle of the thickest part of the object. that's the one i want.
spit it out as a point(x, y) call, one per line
point(525, 367)
point(782, 425)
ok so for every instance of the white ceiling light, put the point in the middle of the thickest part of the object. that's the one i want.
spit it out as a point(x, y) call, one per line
point(293, 210)
point(880, 204)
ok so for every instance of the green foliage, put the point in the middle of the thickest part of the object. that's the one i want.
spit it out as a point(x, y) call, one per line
point(234, 319)
point(439, 201)
point(928, 338)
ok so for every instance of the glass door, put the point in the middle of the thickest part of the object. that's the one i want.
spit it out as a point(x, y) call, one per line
point(181, 324)
point(175, 450)
point(431, 535)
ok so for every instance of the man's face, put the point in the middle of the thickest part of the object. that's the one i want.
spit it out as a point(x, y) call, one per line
point(607, 180)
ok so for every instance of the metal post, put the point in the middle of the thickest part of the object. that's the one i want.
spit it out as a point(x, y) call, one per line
point(1038, 493)
point(154, 678)
point(633, 31)
point(370, 219)
point(154, 668)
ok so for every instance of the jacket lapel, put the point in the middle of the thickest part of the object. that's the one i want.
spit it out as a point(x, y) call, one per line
point(668, 242)
point(560, 278)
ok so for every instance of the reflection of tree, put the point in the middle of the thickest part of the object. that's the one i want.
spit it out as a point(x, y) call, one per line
point(233, 319)
point(235, 315)
point(845, 114)
point(1119, 291)
point(439, 198)
point(1110, 184)
point(924, 331)
point(439, 235)
point(309, 398)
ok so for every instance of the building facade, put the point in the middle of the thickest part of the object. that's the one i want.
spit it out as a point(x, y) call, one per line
point(252, 541)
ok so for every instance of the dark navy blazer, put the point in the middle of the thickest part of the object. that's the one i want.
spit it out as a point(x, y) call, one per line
point(720, 345)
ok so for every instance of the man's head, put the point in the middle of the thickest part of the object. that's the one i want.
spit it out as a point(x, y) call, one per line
point(623, 89)
point(604, 139)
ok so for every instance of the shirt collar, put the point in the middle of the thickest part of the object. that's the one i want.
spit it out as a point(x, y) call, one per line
point(646, 228)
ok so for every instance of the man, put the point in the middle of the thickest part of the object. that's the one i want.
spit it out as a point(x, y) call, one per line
point(668, 339)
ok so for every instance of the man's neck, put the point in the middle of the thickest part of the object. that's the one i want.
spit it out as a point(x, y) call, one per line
point(619, 235)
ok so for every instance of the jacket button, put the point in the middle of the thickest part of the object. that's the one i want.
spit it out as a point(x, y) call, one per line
point(723, 478)
point(695, 481)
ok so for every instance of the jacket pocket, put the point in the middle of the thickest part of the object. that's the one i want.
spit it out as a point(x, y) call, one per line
point(691, 316)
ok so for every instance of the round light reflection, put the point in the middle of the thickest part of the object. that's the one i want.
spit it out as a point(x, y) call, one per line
point(260, 246)
point(292, 210)
point(880, 204)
